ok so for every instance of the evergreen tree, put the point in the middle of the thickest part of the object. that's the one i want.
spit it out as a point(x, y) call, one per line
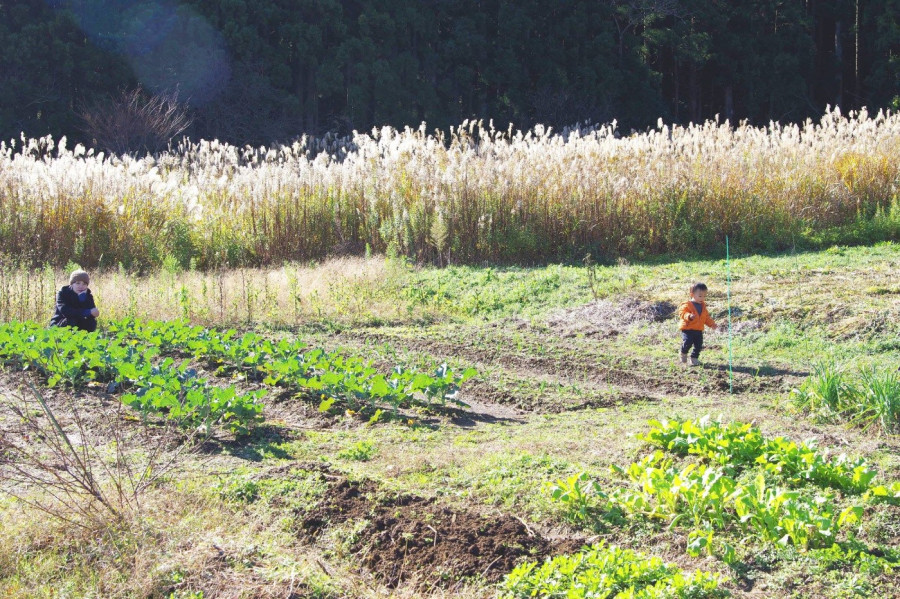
point(270, 70)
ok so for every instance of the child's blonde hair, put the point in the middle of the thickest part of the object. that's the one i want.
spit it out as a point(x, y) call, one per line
point(80, 275)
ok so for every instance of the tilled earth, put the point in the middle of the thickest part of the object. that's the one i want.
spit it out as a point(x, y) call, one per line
point(407, 539)
point(431, 544)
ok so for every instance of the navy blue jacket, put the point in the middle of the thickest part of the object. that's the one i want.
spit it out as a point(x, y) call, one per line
point(71, 311)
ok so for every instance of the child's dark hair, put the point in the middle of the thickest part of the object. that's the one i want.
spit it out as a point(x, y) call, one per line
point(698, 287)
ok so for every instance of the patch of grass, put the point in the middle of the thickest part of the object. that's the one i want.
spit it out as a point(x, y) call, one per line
point(511, 479)
point(871, 397)
point(232, 517)
point(190, 540)
point(295, 488)
point(825, 391)
point(340, 539)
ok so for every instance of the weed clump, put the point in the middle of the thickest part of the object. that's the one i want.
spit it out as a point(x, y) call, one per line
point(867, 398)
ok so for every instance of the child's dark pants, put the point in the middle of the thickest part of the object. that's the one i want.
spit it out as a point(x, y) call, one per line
point(689, 338)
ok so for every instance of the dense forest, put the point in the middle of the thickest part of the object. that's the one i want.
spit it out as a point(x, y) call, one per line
point(258, 71)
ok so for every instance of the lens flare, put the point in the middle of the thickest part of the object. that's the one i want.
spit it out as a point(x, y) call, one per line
point(170, 48)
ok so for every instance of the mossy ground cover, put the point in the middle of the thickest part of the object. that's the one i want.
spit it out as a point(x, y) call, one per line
point(568, 379)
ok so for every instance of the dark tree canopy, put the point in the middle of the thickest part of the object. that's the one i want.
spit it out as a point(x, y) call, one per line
point(259, 71)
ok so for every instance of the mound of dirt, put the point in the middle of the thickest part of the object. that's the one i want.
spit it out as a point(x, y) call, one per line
point(608, 318)
point(410, 539)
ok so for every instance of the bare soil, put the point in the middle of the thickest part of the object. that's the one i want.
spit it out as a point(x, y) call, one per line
point(415, 540)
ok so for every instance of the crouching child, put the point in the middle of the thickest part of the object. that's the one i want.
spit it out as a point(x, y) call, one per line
point(75, 305)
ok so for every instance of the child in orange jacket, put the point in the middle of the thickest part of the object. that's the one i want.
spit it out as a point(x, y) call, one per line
point(693, 316)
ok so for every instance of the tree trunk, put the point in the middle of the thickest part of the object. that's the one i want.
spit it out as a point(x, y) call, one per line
point(676, 78)
point(695, 95)
point(729, 103)
point(839, 59)
point(857, 85)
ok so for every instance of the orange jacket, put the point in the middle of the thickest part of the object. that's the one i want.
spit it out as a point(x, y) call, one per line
point(699, 320)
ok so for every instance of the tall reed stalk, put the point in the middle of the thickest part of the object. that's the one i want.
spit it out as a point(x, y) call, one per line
point(472, 195)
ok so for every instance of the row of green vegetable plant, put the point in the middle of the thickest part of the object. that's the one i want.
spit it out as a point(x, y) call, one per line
point(738, 447)
point(707, 499)
point(136, 357)
point(152, 385)
point(349, 381)
point(774, 490)
point(609, 572)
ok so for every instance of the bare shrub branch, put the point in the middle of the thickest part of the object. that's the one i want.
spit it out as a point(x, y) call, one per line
point(134, 121)
point(79, 470)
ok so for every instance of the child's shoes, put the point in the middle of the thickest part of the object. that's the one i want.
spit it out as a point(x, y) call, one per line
point(684, 359)
point(695, 361)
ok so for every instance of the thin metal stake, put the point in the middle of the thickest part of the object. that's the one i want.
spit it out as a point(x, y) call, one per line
point(730, 358)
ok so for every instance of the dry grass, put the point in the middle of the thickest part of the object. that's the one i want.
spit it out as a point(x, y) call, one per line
point(181, 533)
point(343, 289)
point(477, 194)
point(605, 316)
point(187, 540)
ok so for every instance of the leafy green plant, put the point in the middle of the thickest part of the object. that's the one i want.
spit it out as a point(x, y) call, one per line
point(174, 391)
point(712, 499)
point(128, 359)
point(786, 516)
point(579, 494)
point(732, 445)
point(609, 572)
point(349, 381)
point(737, 447)
point(661, 491)
point(799, 463)
point(885, 493)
